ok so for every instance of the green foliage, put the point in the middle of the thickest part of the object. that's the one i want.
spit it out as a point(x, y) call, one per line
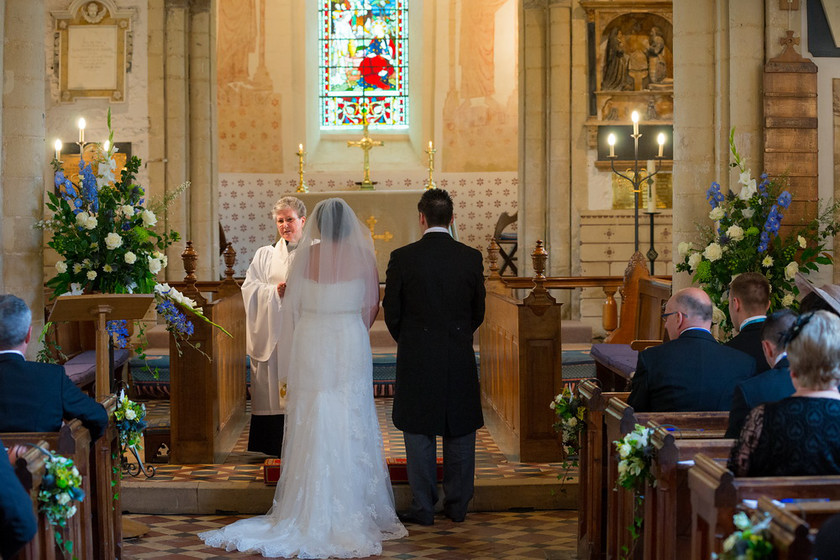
point(570, 414)
point(751, 540)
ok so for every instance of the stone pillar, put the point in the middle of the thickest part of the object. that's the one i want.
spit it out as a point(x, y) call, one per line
point(24, 153)
point(182, 112)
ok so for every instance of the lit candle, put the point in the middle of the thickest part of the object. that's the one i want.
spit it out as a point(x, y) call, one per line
point(611, 142)
point(57, 149)
point(430, 145)
point(634, 116)
point(651, 187)
point(82, 124)
point(661, 141)
point(300, 148)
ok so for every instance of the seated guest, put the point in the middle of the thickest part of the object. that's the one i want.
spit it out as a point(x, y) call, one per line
point(749, 300)
point(691, 371)
point(797, 436)
point(36, 397)
point(826, 298)
point(768, 386)
point(827, 541)
point(17, 517)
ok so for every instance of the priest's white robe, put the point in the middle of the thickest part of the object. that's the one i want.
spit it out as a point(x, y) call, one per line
point(263, 308)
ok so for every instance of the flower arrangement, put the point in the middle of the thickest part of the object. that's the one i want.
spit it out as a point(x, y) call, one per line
point(569, 412)
point(744, 237)
point(751, 540)
point(61, 486)
point(130, 419)
point(635, 455)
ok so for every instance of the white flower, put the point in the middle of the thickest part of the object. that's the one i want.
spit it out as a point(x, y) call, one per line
point(130, 414)
point(572, 422)
point(718, 316)
point(77, 268)
point(767, 262)
point(149, 218)
point(749, 187)
point(154, 265)
point(61, 267)
point(552, 405)
point(127, 210)
point(802, 242)
point(622, 468)
point(787, 301)
point(75, 289)
point(624, 450)
point(735, 233)
point(113, 240)
point(693, 260)
point(791, 269)
point(108, 268)
point(85, 220)
point(71, 512)
point(91, 275)
point(716, 214)
point(162, 288)
point(713, 252)
point(683, 248)
point(748, 213)
point(130, 258)
point(63, 498)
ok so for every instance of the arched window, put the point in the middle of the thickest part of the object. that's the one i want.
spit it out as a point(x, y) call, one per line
point(363, 63)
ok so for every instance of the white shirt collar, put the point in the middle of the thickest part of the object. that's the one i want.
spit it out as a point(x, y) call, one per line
point(18, 352)
point(753, 319)
point(779, 358)
point(436, 229)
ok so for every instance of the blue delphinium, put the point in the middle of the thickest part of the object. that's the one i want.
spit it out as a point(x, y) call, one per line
point(88, 183)
point(118, 329)
point(784, 199)
point(714, 196)
point(176, 319)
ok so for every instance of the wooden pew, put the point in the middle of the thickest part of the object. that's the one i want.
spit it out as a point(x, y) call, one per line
point(208, 395)
point(30, 465)
point(620, 419)
point(105, 497)
point(667, 512)
point(71, 441)
point(716, 492)
point(592, 478)
point(794, 526)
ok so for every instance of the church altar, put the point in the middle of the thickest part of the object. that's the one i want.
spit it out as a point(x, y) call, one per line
point(391, 216)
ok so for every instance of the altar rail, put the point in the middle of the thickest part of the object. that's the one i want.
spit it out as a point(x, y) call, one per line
point(207, 379)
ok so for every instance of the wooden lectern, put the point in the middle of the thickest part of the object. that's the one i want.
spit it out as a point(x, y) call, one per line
point(101, 308)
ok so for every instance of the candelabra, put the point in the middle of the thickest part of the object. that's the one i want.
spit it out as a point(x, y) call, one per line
point(637, 180)
point(57, 163)
point(431, 151)
point(302, 188)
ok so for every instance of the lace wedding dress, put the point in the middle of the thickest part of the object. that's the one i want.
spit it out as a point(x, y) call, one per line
point(334, 497)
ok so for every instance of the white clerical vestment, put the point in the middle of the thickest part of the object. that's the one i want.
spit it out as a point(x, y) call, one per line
point(263, 308)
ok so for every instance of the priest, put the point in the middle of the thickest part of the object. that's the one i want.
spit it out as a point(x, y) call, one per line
point(263, 290)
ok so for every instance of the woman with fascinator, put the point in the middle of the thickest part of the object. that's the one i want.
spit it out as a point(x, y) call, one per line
point(798, 435)
point(334, 497)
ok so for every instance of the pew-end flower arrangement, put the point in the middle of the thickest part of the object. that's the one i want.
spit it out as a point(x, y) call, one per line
point(751, 539)
point(61, 489)
point(635, 457)
point(569, 413)
point(744, 237)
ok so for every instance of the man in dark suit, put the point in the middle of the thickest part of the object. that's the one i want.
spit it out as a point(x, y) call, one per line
point(17, 518)
point(434, 301)
point(36, 397)
point(749, 300)
point(691, 371)
point(771, 385)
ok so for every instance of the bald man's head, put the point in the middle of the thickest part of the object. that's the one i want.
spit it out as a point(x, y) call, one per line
point(689, 307)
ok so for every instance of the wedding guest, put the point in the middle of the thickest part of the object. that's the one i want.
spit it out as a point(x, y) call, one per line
point(36, 397)
point(797, 436)
point(263, 291)
point(17, 518)
point(749, 300)
point(768, 386)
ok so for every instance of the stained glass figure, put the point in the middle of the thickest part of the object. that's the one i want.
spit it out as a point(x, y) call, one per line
point(363, 63)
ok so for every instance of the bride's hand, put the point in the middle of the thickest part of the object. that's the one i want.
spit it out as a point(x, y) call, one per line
point(281, 289)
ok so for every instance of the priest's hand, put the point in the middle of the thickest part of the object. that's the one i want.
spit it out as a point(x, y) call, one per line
point(281, 289)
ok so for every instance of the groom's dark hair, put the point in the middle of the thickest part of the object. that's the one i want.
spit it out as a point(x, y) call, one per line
point(436, 206)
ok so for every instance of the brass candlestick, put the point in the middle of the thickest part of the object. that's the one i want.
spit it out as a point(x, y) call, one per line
point(366, 144)
point(431, 151)
point(302, 188)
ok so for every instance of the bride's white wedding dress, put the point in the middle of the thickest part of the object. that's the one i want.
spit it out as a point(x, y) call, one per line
point(334, 496)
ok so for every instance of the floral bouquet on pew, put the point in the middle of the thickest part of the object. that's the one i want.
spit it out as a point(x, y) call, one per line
point(744, 237)
point(61, 486)
point(635, 457)
point(569, 413)
point(750, 541)
point(130, 419)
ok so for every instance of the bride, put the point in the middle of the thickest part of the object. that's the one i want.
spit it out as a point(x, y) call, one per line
point(334, 497)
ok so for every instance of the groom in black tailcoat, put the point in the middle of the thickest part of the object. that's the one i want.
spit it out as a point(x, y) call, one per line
point(434, 302)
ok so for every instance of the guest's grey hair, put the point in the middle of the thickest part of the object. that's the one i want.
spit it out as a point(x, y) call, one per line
point(292, 203)
point(693, 306)
point(814, 352)
point(15, 319)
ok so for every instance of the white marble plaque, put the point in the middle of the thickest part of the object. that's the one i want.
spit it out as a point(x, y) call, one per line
point(92, 57)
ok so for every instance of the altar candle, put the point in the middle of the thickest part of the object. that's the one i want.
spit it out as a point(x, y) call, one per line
point(634, 116)
point(661, 141)
point(57, 149)
point(651, 187)
point(300, 148)
point(611, 142)
point(82, 125)
point(430, 145)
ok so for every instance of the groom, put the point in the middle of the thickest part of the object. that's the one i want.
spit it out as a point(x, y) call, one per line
point(434, 301)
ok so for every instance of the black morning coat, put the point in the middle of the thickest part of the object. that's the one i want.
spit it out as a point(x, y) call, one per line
point(692, 373)
point(17, 518)
point(748, 340)
point(36, 397)
point(434, 302)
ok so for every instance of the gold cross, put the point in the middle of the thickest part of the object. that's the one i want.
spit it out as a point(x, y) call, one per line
point(366, 144)
point(387, 236)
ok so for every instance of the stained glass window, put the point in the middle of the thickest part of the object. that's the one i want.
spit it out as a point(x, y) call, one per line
point(363, 63)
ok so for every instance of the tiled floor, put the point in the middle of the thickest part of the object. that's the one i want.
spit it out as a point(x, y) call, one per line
point(244, 466)
point(544, 535)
